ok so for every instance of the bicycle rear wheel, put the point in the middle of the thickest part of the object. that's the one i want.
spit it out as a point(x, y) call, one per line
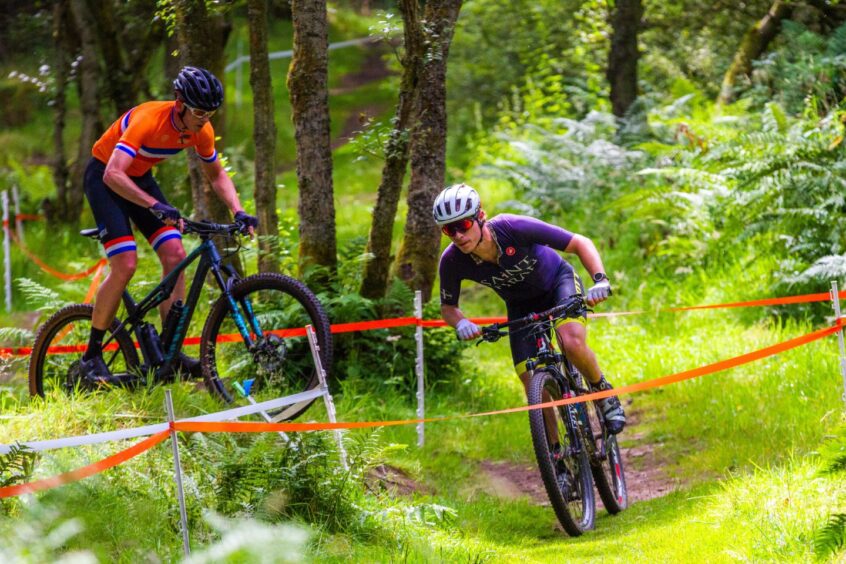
point(280, 363)
point(565, 469)
point(607, 463)
point(59, 347)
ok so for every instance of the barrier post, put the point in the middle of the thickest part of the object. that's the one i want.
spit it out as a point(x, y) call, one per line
point(418, 365)
point(18, 221)
point(835, 298)
point(245, 392)
point(324, 387)
point(7, 256)
point(177, 472)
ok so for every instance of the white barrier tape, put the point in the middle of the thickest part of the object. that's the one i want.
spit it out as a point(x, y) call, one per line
point(237, 412)
point(133, 432)
point(90, 439)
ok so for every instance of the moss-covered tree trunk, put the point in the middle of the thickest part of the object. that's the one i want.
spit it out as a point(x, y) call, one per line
point(89, 103)
point(264, 137)
point(308, 88)
point(201, 38)
point(623, 55)
point(62, 53)
point(376, 271)
point(753, 44)
point(417, 259)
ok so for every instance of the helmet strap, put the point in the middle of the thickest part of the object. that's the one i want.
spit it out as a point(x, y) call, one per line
point(481, 223)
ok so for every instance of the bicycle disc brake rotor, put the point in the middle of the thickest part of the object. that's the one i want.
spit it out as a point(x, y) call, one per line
point(567, 481)
point(269, 354)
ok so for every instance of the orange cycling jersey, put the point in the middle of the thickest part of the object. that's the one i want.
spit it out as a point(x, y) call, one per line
point(148, 133)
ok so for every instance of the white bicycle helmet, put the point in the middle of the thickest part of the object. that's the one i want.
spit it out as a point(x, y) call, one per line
point(456, 202)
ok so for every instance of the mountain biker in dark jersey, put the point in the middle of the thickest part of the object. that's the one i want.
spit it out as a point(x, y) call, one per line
point(120, 187)
point(516, 257)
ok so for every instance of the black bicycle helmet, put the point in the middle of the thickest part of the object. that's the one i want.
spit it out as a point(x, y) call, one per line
point(199, 88)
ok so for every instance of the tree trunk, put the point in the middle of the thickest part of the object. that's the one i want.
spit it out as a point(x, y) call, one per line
point(127, 61)
point(754, 43)
point(61, 62)
point(118, 85)
point(264, 137)
point(201, 39)
point(375, 280)
point(308, 88)
point(623, 55)
point(89, 102)
point(417, 259)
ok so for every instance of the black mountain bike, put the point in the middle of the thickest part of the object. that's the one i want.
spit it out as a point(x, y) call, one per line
point(571, 442)
point(254, 337)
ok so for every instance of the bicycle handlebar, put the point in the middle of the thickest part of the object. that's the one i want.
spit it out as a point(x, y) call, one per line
point(211, 228)
point(575, 305)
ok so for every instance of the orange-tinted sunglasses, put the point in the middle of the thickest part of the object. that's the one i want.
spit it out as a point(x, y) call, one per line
point(460, 226)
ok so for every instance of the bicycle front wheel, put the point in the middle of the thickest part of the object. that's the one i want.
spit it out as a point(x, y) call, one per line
point(275, 310)
point(562, 458)
point(60, 344)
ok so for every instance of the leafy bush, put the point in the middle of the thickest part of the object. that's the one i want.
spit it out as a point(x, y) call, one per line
point(805, 67)
point(385, 356)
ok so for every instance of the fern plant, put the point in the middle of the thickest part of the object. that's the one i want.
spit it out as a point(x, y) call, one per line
point(16, 467)
point(831, 538)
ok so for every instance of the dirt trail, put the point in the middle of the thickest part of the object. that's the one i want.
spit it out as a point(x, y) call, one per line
point(646, 476)
point(644, 465)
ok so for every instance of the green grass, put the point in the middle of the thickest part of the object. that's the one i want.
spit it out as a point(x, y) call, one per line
point(768, 500)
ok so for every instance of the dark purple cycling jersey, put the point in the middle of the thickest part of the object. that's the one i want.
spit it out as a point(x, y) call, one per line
point(527, 264)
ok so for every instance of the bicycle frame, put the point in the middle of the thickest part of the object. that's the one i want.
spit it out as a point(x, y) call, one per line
point(209, 261)
point(546, 356)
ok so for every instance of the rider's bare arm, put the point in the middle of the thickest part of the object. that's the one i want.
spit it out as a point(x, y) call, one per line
point(451, 314)
point(222, 185)
point(116, 178)
point(584, 248)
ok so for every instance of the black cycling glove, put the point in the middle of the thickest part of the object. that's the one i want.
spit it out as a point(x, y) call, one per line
point(246, 220)
point(165, 212)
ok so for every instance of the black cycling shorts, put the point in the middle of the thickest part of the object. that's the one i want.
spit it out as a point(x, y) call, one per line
point(113, 212)
point(523, 345)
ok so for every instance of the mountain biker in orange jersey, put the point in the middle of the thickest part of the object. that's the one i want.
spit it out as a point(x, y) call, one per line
point(515, 256)
point(120, 187)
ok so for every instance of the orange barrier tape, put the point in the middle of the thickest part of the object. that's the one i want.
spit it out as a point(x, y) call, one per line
point(95, 282)
point(430, 323)
point(46, 268)
point(90, 470)
point(28, 217)
point(26, 351)
point(803, 299)
point(244, 427)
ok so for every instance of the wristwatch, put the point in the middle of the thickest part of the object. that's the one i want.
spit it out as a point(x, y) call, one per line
point(599, 277)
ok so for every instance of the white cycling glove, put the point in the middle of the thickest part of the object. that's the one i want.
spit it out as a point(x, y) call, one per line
point(467, 330)
point(599, 292)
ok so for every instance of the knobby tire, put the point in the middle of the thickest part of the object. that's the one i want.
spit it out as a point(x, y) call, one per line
point(223, 362)
point(573, 525)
